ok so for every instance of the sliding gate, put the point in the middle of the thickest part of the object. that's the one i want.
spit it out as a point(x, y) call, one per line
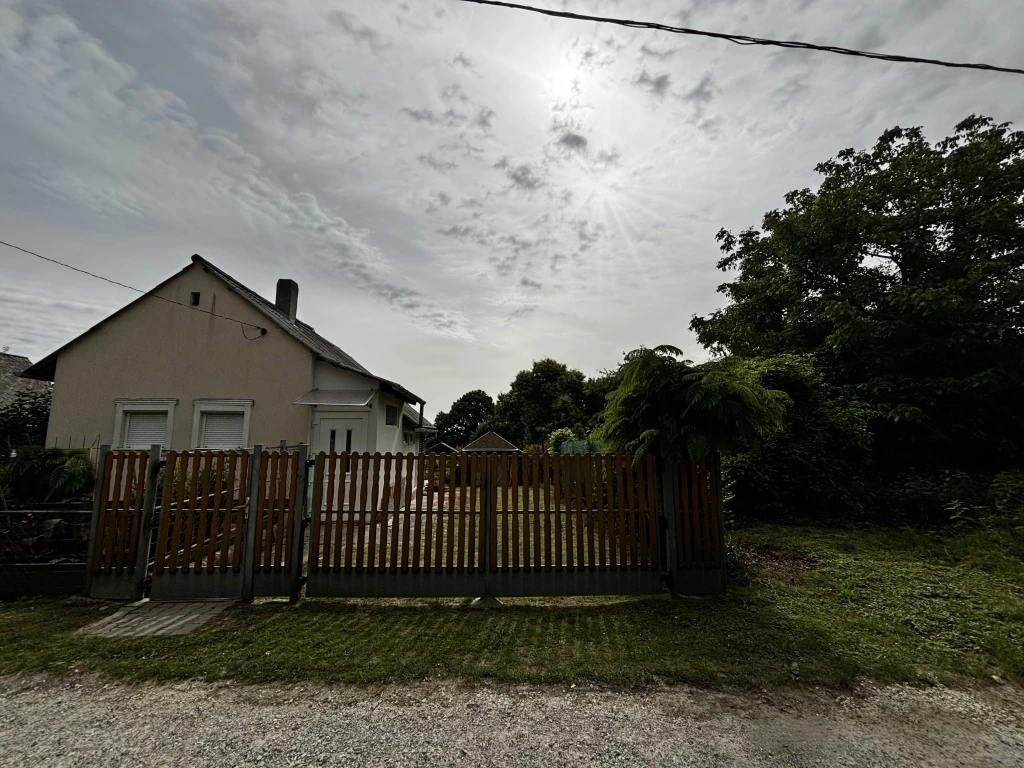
point(473, 524)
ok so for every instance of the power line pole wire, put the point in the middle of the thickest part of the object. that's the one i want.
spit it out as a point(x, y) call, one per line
point(745, 40)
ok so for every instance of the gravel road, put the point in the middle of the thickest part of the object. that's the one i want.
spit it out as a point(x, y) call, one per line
point(88, 722)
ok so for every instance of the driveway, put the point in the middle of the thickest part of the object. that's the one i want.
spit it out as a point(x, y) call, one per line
point(87, 722)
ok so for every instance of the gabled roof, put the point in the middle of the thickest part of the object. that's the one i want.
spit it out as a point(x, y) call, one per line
point(491, 441)
point(300, 331)
point(11, 367)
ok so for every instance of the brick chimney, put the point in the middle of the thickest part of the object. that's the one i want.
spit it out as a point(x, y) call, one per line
point(288, 298)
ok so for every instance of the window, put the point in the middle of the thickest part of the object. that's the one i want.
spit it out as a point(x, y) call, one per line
point(195, 298)
point(391, 415)
point(142, 422)
point(220, 425)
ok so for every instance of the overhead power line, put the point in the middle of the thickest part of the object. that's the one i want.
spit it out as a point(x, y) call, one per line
point(745, 40)
point(242, 323)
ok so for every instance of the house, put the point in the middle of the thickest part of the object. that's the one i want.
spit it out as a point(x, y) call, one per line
point(11, 383)
point(240, 371)
point(491, 442)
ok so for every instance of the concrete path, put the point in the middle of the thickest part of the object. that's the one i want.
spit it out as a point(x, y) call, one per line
point(86, 721)
point(146, 618)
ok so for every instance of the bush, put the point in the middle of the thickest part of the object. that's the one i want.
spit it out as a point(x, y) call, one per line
point(559, 436)
point(817, 467)
point(40, 475)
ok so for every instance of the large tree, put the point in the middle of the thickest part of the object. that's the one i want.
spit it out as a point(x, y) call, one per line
point(902, 276)
point(540, 400)
point(460, 424)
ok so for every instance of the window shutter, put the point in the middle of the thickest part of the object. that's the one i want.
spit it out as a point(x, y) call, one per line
point(145, 429)
point(222, 430)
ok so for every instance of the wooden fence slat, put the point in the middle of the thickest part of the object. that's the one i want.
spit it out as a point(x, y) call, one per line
point(104, 515)
point(428, 520)
point(630, 513)
point(194, 545)
point(292, 505)
point(535, 517)
point(493, 470)
point(383, 509)
point(165, 512)
point(528, 507)
point(396, 525)
point(460, 541)
point(676, 473)
point(506, 509)
point(549, 564)
point(181, 492)
point(407, 514)
point(705, 512)
point(271, 512)
point(216, 516)
point(652, 514)
point(590, 482)
point(122, 515)
point(417, 529)
point(228, 515)
point(442, 496)
point(690, 512)
point(243, 493)
point(136, 515)
point(515, 489)
point(364, 488)
point(190, 516)
point(624, 515)
point(556, 482)
point(346, 476)
point(110, 529)
point(471, 541)
point(323, 535)
point(641, 513)
point(453, 461)
point(371, 542)
point(578, 500)
point(605, 512)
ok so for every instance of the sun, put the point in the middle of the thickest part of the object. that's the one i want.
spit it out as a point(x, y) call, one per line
point(564, 84)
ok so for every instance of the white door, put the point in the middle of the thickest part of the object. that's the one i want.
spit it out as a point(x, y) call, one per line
point(338, 433)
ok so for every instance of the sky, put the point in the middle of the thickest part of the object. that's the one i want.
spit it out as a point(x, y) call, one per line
point(458, 190)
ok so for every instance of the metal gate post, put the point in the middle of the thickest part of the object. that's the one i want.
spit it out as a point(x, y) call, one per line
point(667, 510)
point(94, 524)
point(299, 524)
point(146, 523)
point(254, 486)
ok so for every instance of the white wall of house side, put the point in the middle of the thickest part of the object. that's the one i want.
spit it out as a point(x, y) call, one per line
point(158, 350)
point(330, 377)
point(327, 376)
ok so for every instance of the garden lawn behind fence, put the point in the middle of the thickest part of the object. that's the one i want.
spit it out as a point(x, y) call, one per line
point(804, 606)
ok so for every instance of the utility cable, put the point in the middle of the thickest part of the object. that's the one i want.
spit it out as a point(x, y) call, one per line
point(745, 40)
point(242, 323)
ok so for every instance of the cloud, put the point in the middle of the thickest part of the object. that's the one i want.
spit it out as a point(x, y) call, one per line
point(524, 176)
point(429, 159)
point(657, 53)
point(528, 283)
point(702, 93)
point(356, 29)
point(655, 84)
point(461, 60)
point(573, 141)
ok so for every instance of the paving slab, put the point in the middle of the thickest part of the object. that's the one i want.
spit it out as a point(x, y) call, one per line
point(147, 618)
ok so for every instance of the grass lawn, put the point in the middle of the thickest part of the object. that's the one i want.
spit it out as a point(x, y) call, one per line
point(805, 606)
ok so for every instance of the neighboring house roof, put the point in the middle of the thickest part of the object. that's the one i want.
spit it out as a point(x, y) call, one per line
point(300, 331)
point(491, 441)
point(11, 383)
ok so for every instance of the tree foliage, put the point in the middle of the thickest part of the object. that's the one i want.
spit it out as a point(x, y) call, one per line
point(23, 420)
point(461, 423)
point(818, 465)
point(902, 276)
point(674, 409)
point(548, 396)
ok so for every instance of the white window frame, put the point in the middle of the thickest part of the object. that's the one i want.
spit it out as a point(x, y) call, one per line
point(125, 405)
point(214, 405)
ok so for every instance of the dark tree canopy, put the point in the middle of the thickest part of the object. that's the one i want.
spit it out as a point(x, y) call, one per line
point(23, 420)
point(540, 400)
point(902, 276)
point(461, 423)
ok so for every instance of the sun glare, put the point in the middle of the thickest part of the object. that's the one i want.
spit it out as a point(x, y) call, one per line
point(564, 85)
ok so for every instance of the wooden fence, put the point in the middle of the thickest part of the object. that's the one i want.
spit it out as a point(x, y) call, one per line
point(234, 524)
